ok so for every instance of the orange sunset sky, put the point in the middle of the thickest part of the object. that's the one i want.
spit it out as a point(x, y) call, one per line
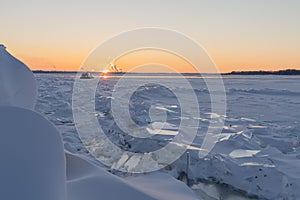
point(238, 35)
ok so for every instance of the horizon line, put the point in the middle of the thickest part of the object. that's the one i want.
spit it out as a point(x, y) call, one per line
point(233, 71)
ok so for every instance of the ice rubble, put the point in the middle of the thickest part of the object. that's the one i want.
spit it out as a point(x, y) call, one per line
point(88, 181)
point(263, 165)
point(243, 163)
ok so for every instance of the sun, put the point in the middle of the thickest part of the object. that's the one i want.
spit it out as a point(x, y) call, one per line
point(105, 71)
point(105, 74)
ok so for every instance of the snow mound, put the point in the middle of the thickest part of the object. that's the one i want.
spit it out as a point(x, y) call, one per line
point(162, 186)
point(17, 82)
point(32, 157)
point(88, 181)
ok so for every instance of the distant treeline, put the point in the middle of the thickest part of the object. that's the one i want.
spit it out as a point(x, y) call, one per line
point(52, 72)
point(280, 72)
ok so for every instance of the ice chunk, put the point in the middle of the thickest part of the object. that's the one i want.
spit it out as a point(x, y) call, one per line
point(241, 153)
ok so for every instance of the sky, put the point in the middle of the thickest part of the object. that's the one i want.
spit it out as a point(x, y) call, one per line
point(237, 34)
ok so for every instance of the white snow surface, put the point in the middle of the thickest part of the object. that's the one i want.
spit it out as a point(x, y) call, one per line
point(89, 181)
point(17, 82)
point(34, 167)
point(32, 157)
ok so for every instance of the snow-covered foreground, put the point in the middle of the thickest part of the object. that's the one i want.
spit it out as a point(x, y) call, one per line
point(258, 154)
point(34, 164)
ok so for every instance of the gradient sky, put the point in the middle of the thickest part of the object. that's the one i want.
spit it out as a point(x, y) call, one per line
point(237, 34)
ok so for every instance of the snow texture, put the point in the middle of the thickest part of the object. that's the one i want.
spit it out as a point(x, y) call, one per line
point(17, 82)
point(32, 157)
point(87, 181)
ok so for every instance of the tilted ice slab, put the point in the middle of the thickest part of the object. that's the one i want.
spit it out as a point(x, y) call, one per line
point(17, 82)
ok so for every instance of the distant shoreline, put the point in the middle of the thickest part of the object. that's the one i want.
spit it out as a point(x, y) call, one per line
point(260, 72)
point(53, 72)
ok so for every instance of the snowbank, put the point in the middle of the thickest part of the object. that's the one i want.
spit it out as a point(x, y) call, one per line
point(32, 157)
point(17, 82)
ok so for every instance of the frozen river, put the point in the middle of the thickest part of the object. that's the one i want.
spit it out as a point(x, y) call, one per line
point(258, 153)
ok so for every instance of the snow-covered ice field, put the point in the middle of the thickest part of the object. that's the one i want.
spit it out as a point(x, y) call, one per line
point(258, 155)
